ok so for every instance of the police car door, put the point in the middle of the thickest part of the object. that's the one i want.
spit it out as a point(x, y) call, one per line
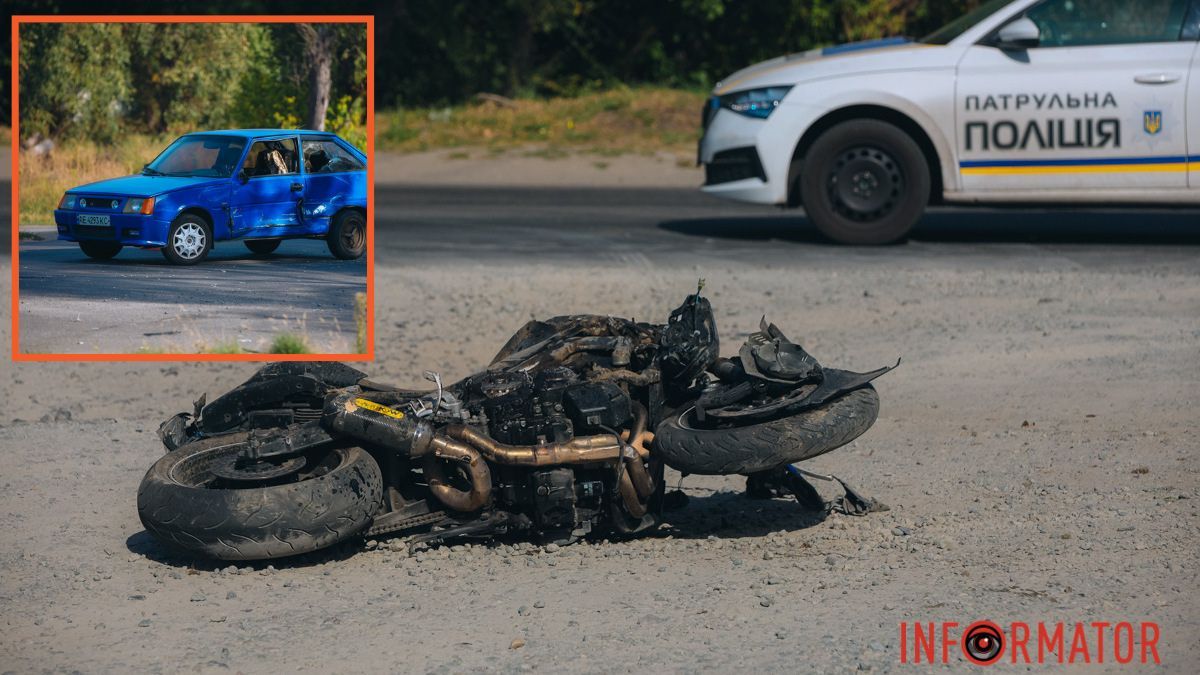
point(1097, 104)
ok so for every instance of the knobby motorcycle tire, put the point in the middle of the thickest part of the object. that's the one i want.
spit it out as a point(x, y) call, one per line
point(259, 522)
point(759, 447)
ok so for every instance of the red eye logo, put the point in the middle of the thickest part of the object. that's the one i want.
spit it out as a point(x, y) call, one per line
point(983, 643)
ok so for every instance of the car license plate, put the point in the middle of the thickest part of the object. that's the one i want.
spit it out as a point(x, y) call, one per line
point(87, 219)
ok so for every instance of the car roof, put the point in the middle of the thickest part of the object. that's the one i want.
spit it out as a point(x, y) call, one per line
point(255, 133)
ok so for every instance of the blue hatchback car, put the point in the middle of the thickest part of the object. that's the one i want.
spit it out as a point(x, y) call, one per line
point(258, 185)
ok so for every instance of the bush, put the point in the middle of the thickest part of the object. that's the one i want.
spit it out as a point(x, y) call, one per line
point(289, 343)
point(76, 80)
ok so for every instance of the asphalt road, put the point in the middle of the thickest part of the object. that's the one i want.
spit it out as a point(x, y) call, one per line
point(70, 303)
point(137, 301)
point(684, 226)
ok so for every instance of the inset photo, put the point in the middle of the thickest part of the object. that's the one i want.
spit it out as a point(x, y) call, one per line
point(193, 188)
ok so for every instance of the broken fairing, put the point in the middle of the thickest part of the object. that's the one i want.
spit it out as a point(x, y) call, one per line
point(565, 434)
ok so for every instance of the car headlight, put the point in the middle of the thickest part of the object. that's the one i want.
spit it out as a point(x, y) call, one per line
point(144, 206)
point(758, 103)
point(67, 202)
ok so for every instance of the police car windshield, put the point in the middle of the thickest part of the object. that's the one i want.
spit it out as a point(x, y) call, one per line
point(199, 156)
point(963, 23)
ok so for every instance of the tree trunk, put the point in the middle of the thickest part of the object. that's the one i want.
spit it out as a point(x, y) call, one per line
point(521, 58)
point(320, 42)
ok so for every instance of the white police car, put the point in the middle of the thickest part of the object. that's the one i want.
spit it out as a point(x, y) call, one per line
point(1018, 101)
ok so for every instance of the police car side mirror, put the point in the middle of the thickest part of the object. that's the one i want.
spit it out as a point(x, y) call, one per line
point(1020, 34)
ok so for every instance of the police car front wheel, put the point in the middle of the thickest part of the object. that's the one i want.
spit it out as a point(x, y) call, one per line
point(864, 182)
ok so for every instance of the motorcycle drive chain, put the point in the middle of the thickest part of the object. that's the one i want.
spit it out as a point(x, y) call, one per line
point(435, 518)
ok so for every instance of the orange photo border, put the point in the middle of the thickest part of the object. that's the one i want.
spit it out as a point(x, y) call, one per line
point(17, 21)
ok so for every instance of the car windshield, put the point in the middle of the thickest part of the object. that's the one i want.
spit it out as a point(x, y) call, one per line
point(964, 23)
point(203, 156)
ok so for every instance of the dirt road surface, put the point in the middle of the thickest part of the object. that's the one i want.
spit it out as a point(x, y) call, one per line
point(1036, 446)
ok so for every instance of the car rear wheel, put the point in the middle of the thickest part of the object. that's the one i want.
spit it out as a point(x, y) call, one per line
point(188, 241)
point(864, 182)
point(100, 250)
point(347, 237)
point(262, 246)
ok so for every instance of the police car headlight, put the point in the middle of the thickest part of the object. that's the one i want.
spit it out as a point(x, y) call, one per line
point(758, 103)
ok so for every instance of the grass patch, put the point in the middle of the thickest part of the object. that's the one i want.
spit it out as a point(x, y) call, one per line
point(5, 135)
point(283, 343)
point(223, 347)
point(617, 121)
point(289, 343)
point(43, 180)
point(360, 322)
point(30, 236)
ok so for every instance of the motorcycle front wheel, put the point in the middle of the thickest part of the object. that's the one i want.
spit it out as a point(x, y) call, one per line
point(690, 447)
point(187, 506)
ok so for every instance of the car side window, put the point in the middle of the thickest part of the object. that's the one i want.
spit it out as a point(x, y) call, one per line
point(1191, 25)
point(272, 158)
point(322, 155)
point(1079, 23)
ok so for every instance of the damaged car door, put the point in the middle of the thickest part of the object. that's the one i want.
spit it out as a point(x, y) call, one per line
point(332, 172)
point(268, 190)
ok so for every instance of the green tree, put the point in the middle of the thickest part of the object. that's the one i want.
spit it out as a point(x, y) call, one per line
point(868, 19)
point(185, 75)
point(75, 80)
point(327, 69)
point(268, 96)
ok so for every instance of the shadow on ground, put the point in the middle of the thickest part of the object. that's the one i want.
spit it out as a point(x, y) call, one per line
point(726, 515)
point(732, 515)
point(1112, 226)
point(143, 543)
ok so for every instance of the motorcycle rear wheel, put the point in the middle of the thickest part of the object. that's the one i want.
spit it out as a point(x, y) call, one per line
point(184, 505)
point(758, 447)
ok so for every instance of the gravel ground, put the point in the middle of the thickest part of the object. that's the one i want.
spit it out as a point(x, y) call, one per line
point(1037, 449)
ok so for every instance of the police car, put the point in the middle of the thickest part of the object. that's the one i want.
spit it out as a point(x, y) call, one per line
point(1018, 101)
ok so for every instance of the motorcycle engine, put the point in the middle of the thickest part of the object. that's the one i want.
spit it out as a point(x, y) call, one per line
point(522, 411)
point(552, 407)
point(563, 503)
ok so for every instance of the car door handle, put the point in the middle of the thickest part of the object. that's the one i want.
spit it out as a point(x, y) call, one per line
point(296, 187)
point(1157, 78)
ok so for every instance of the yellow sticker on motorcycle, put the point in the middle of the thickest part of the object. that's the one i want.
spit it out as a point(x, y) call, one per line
point(376, 407)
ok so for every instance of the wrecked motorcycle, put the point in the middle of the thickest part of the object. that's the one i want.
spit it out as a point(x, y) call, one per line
point(564, 435)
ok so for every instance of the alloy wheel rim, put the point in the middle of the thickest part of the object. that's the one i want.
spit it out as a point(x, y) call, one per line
point(189, 241)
